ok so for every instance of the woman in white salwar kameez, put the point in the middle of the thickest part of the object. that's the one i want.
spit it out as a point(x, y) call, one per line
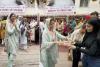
point(49, 48)
point(23, 36)
point(12, 34)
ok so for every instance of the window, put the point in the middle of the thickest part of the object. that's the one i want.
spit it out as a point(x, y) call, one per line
point(84, 3)
point(94, 0)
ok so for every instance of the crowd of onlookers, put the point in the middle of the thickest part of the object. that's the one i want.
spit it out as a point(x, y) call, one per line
point(83, 35)
point(28, 26)
point(77, 29)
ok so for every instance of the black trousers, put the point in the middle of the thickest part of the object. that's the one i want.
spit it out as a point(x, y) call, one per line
point(76, 58)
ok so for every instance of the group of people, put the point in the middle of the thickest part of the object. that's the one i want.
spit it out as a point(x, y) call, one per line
point(83, 40)
point(82, 37)
point(18, 33)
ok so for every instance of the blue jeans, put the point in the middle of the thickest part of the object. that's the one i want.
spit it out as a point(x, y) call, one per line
point(89, 61)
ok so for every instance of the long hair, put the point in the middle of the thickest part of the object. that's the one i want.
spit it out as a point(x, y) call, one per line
point(96, 28)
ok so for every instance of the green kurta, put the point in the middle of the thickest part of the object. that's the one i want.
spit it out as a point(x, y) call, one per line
point(49, 51)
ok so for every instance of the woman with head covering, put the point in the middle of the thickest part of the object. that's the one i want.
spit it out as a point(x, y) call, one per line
point(12, 41)
point(49, 49)
point(89, 45)
point(23, 35)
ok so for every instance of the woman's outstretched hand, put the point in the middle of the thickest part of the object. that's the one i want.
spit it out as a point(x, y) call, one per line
point(67, 44)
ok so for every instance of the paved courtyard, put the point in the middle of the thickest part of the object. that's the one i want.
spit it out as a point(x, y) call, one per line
point(29, 58)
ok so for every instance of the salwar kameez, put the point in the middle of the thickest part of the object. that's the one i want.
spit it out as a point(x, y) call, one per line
point(49, 51)
point(12, 40)
point(23, 37)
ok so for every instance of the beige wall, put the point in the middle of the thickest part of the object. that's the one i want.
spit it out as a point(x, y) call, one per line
point(93, 6)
